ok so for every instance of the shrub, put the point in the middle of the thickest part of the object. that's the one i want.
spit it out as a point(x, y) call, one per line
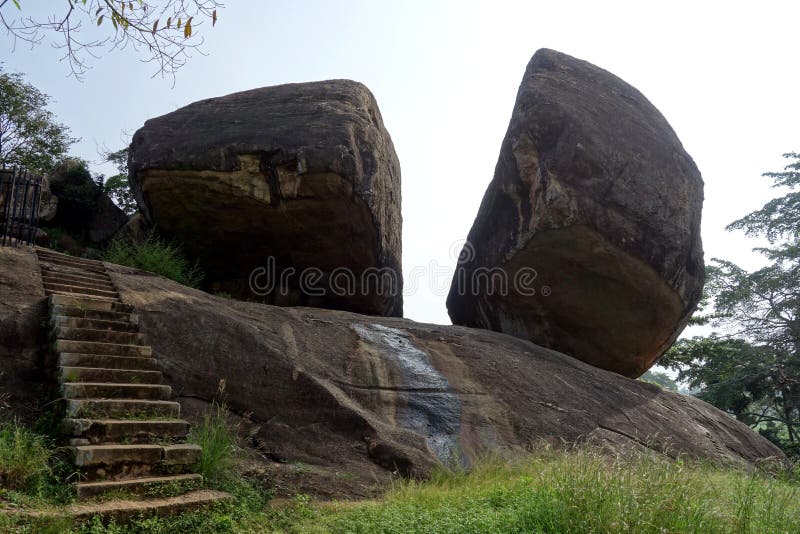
point(217, 437)
point(24, 457)
point(157, 256)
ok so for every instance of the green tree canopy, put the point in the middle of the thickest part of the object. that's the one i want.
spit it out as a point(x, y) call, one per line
point(117, 187)
point(29, 134)
point(752, 368)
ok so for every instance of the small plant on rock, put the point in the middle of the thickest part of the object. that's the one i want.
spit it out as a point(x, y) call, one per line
point(217, 436)
point(156, 255)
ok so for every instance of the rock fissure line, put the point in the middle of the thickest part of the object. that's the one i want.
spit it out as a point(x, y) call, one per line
point(123, 430)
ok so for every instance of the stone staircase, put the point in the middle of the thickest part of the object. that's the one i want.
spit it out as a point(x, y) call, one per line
point(125, 433)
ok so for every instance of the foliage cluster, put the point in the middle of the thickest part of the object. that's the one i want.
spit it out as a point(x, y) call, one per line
point(156, 255)
point(752, 367)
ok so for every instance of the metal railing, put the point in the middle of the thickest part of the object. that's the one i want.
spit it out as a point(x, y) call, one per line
point(20, 199)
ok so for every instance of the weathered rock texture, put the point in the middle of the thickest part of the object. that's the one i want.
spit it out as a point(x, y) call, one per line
point(22, 338)
point(339, 389)
point(595, 193)
point(358, 398)
point(305, 173)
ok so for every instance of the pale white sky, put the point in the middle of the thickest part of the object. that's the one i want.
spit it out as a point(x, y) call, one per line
point(445, 75)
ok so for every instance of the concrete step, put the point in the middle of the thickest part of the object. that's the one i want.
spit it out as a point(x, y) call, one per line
point(125, 430)
point(68, 273)
point(89, 303)
point(182, 454)
point(131, 409)
point(127, 377)
point(100, 336)
point(51, 293)
point(124, 510)
point(139, 486)
point(69, 359)
point(44, 253)
point(62, 321)
point(51, 278)
point(112, 349)
point(71, 261)
point(111, 390)
point(85, 313)
point(120, 462)
point(110, 455)
point(80, 290)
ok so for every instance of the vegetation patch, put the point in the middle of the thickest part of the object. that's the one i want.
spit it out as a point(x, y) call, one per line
point(156, 255)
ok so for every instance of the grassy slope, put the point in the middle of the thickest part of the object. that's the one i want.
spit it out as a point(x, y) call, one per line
point(551, 492)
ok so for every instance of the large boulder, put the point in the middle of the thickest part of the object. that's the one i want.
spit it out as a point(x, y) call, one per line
point(82, 208)
point(290, 179)
point(592, 219)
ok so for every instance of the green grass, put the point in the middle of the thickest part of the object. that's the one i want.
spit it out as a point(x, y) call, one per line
point(217, 437)
point(549, 491)
point(24, 457)
point(157, 256)
point(574, 492)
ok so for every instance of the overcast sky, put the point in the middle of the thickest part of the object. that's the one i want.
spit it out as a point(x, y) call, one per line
point(445, 75)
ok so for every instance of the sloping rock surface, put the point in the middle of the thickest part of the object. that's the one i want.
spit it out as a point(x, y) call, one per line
point(593, 216)
point(22, 337)
point(305, 174)
point(372, 396)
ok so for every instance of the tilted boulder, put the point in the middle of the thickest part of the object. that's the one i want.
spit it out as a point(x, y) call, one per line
point(593, 218)
point(302, 175)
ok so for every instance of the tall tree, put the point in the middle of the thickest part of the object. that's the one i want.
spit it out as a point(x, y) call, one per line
point(752, 368)
point(117, 187)
point(164, 31)
point(29, 134)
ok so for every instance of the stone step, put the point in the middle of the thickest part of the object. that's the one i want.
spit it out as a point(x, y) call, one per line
point(89, 303)
point(53, 264)
point(85, 313)
point(52, 278)
point(112, 390)
point(68, 273)
point(138, 486)
point(132, 409)
point(92, 324)
point(79, 290)
point(124, 510)
point(112, 349)
point(127, 377)
point(120, 462)
point(64, 259)
point(100, 336)
point(122, 430)
point(44, 253)
point(69, 359)
point(50, 293)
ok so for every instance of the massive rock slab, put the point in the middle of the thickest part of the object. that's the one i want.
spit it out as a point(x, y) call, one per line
point(371, 396)
point(305, 174)
point(592, 219)
point(339, 403)
point(23, 339)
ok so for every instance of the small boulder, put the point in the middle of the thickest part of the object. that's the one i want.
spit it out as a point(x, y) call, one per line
point(288, 180)
point(592, 220)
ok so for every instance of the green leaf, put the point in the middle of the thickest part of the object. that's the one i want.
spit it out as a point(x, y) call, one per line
point(100, 20)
